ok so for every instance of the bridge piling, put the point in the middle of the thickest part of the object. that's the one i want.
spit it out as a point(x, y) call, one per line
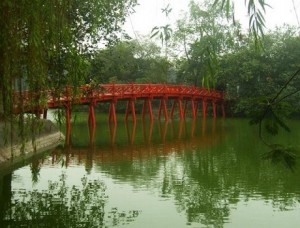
point(193, 110)
point(181, 111)
point(130, 108)
point(68, 123)
point(163, 107)
point(147, 105)
point(91, 118)
point(112, 112)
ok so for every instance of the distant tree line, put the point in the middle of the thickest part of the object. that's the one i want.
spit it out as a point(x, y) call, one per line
point(50, 45)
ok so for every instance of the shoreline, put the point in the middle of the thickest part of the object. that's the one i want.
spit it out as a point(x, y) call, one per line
point(48, 137)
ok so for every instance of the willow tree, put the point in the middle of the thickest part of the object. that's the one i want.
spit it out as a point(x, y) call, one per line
point(42, 42)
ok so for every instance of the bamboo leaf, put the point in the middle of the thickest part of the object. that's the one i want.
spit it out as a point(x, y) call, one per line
point(154, 34)
point(154, 28)
point(251, 6)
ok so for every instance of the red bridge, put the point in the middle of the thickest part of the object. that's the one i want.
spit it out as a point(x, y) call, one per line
point(91, 94)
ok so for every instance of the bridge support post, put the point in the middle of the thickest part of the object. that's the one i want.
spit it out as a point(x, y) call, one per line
point(147, 105)
point(163, 107)
point(112, 112)
point(180, 109)
point(92, 119)
point(193, 107)
point(130, 108)
point(68, 123)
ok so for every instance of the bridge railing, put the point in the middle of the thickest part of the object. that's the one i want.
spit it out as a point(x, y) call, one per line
point(140, 90)
point(102, 92)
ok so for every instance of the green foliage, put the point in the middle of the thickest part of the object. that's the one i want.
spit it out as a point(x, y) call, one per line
point(272, 116)
point(42, 42)
point(204, 35)
point(248, 74)
point(44, 45)
point(130, 61)
point(282, 155)
point(163, 32)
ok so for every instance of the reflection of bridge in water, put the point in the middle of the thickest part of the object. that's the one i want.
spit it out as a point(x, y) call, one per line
point(183, 139)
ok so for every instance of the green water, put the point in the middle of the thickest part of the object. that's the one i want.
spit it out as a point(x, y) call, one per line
point(179, 174)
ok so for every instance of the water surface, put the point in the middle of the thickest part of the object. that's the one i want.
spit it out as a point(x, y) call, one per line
point(176, 174)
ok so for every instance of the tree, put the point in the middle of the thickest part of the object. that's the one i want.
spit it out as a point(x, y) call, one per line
point(204, 35)
point(163, 32)
point(129, 61)
point(42, 40)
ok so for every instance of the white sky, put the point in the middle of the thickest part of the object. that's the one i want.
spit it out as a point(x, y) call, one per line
point(148, 14)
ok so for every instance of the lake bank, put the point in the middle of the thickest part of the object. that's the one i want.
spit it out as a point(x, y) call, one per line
point(15, 150)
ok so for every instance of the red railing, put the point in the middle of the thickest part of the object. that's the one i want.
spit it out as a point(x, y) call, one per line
point(91, 94)
point(106, 92)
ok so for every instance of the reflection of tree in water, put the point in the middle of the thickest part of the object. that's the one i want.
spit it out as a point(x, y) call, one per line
point(200, 199)
point(61, 206)
point(204, 206)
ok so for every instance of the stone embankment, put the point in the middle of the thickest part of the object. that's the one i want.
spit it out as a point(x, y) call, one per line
point(14, 149)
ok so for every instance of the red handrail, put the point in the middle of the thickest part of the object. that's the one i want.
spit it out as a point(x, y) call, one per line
point(106, 92)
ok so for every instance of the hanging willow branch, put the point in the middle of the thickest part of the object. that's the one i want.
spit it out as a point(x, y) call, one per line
point(256, 11)
point(274, 121)
point(44, 44)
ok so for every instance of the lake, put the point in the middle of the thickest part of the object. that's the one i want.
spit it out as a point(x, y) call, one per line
point(204, 173)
